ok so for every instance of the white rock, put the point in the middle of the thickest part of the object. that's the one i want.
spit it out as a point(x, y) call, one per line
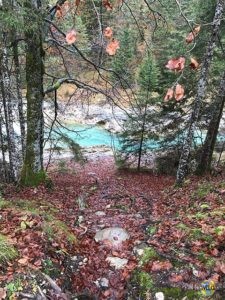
point(116, 262)
point(159, 296)
point(102, 282)
point(100, 213)
point(115, 235)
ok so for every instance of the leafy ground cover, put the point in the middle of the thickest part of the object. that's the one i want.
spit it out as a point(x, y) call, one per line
point(50, 230)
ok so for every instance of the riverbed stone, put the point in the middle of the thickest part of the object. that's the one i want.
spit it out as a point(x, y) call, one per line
point(117, 262)
point(100, 213)
point(115, 235)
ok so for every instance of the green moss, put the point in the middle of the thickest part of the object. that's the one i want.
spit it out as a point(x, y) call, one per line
point(219, 230)
point(203, 190)
point(183, 227)
point(29, 178)
point(151, 230)
point(174, 293)
point(149, 254)
point(7, 251)
point(143, 281)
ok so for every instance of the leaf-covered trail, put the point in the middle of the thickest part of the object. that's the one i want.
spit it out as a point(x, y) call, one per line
point(124, 199)
point(184, 230)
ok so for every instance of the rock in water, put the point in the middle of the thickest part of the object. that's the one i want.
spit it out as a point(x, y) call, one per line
point(115, 235)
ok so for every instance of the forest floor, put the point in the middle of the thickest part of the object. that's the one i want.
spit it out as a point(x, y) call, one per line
point(176, 235)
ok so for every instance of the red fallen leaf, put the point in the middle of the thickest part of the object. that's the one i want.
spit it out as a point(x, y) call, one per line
point(107, 4)
point(23, 261)
point(77, 2)
point(214, 252)
point(3, 293)
point(161, 265)
point(112, 47)
point(221, 267)
point(215, 277)
point(176, 64)
point(194, 64)
point(38, 263)
point(108, 32)
point(107, 293)
point(191, 36)
point(169, 95)
point(71, 37)
point(175, 277)
point(179, 92)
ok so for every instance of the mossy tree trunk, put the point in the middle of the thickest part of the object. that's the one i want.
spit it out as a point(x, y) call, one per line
point(209, 144)
point(32, 172)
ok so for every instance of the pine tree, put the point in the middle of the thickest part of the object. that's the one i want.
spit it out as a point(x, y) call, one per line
point(135, 139)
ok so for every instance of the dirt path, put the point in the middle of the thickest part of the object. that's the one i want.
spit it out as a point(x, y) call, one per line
point(90, 198)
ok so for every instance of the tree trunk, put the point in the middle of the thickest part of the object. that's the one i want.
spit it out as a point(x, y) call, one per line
point(209, 144)
point(19, 96)
point(201, 91)
point(32, 171)
point(9, 112)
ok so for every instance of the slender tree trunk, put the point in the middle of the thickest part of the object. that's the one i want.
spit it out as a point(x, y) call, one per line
point(19, 96)
point(142, 139)
point(32, 171)
point(9, 110)
point(209, 144)
point(2, 146)
point(201, 91)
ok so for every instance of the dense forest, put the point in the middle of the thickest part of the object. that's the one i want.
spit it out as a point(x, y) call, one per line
point(112, 149)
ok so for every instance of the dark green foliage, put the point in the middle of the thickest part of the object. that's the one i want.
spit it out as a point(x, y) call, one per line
point(135, 139)
point(123, 62)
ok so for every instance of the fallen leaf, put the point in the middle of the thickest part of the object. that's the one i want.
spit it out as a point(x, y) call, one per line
point(3, 293)
point(161, 265)
point(175, 277)
point(23, 261)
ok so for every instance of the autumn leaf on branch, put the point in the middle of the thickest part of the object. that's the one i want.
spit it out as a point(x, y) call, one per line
point(58, 12)
point(108, 33)
point(194, 64)
point(71, 37)
point(192, 35)
point(179, 92)
point(107, 4)
point(169, 95)
point(176, 64)
point(112, 47)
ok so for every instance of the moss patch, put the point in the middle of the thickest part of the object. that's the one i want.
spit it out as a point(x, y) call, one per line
point(7, 250)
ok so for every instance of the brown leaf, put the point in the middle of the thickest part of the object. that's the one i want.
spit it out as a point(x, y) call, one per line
point(108, 33)
point(194, 64)
point(23, 261)
point(161, 265)
point(169, 95)
point(179, 92)
point(3, 293)
point(107, 4)
point(71, 37)
point(175, 277)
point(176, 64)
point(192, 35)
point(112, 47)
